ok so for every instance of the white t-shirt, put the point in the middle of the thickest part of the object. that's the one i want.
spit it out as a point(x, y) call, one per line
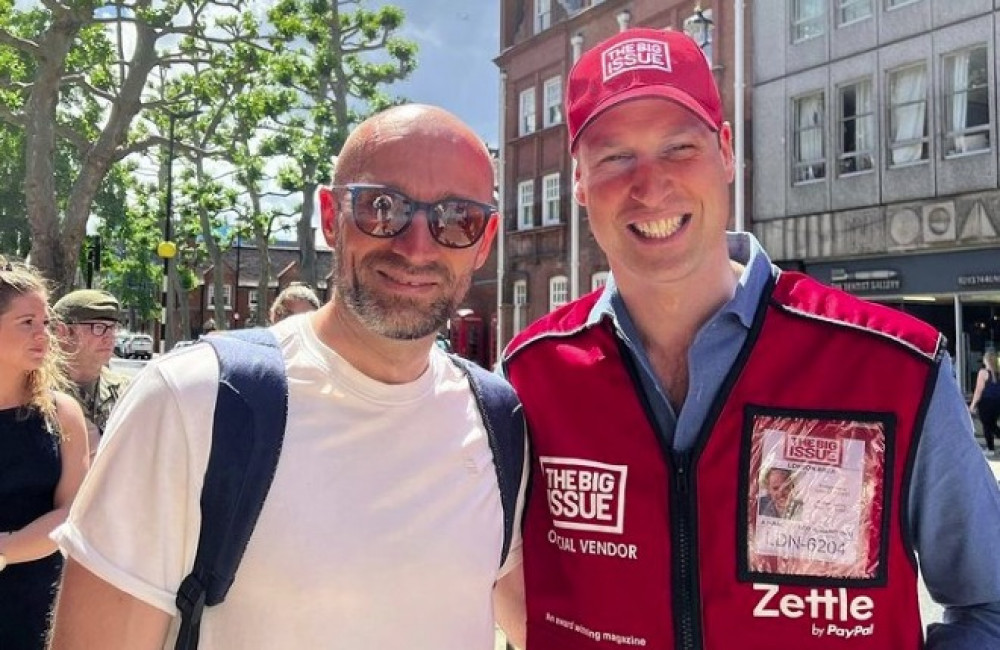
point(382, 528)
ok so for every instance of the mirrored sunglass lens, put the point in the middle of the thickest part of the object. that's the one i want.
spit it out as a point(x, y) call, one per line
point(458, 223)
point(380, 212)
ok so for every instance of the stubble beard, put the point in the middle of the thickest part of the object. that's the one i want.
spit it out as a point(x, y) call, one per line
point(395, 317)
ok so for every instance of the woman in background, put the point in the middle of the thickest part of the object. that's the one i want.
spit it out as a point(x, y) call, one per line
point(986, 399)
point(43, 457)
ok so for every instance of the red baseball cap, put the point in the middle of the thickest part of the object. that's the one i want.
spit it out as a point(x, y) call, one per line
point(640, 63)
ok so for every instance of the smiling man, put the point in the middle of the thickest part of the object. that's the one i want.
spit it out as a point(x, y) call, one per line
point(384, 525)
point(657, 405)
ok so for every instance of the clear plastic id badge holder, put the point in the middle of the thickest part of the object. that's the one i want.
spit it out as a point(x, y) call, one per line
point(815, 488)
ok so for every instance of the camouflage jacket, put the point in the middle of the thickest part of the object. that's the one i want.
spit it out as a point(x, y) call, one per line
point(98, 399)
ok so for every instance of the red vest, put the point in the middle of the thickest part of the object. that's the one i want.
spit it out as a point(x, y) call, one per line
point(629, 544)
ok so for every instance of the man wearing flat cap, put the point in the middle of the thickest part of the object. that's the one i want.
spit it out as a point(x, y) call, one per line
point(88, 322)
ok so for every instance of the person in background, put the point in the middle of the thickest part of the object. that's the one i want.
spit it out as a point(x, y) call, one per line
point(294, 299)
point(653, 404)
point(87, 321)
point(43, 457)
point(986, 399)
point(383, 526)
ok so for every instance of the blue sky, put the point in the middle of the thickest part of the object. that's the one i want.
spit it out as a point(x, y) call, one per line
point(458, 42)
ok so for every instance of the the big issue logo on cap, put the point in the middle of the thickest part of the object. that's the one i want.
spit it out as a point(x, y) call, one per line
point(635, 54)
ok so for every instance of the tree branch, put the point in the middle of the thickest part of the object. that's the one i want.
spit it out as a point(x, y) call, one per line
point(10, 117)
point(20, 44)
point(74, 137)
point(81, 81)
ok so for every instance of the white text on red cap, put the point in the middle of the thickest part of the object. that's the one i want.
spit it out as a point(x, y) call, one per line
point(635, 54)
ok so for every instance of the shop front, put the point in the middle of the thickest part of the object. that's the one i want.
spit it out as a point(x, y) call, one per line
point(958, 292)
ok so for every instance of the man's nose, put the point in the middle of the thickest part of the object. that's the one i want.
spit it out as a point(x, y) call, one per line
point(650, 182)
point(416, 242)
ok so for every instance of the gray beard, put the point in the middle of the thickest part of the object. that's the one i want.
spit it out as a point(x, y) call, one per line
point(393, 317)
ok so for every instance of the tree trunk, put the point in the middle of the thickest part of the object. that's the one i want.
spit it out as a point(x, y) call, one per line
point(307, 238)
point(48, 252)
point(56, 242)
point(179, 318)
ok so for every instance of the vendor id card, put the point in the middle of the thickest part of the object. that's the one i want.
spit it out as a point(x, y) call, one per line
point(814, 498)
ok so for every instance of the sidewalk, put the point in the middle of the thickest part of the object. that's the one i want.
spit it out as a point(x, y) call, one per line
point(995, 466)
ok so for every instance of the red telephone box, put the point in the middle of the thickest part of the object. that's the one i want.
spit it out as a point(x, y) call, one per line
point(468, 338)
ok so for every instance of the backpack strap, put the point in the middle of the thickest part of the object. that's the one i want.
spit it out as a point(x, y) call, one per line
point(504, 423)
point(247, 433)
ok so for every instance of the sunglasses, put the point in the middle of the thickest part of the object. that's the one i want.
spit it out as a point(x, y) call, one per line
point(383, 212)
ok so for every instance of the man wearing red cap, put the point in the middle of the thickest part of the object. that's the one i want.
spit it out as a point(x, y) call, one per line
point(660, 405)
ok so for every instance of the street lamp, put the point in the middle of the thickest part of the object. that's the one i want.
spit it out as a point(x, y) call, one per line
point(167, 249)
point(699, 27)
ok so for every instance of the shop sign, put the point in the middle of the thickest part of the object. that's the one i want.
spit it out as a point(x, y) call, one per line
point(971, 280)
point(875, 280)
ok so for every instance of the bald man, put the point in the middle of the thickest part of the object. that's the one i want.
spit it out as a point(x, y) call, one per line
point(383, 527)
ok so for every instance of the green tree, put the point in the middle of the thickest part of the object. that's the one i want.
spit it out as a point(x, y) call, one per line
point(128, 261)
point(337, 60)
point(249, 139)
point(67, 82)
point(14, 235)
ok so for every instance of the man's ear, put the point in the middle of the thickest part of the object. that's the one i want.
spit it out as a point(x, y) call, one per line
point(327, 213)
point(578, 192)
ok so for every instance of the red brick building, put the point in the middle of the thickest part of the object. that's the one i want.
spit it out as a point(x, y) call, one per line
point(540, 40)
point(245, 304)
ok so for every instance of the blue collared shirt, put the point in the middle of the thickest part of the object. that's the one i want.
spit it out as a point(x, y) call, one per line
point(954, 504)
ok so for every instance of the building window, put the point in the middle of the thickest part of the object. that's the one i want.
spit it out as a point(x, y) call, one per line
point(908, 115)
point(552, 94)
point(892, 4)
point(227, 295)
point(520, 305)
point(966, 102)
point(856, 126)
point(252, 299)
point(550, 200)
point(807, 19)
point(598, 280)
point(851, 11)
point(525, 205)
point(810, 153)
point(558, 291)
point(543, 15)
point(527, 112)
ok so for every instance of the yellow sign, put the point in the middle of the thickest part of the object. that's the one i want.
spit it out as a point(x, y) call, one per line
point(166, 249)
